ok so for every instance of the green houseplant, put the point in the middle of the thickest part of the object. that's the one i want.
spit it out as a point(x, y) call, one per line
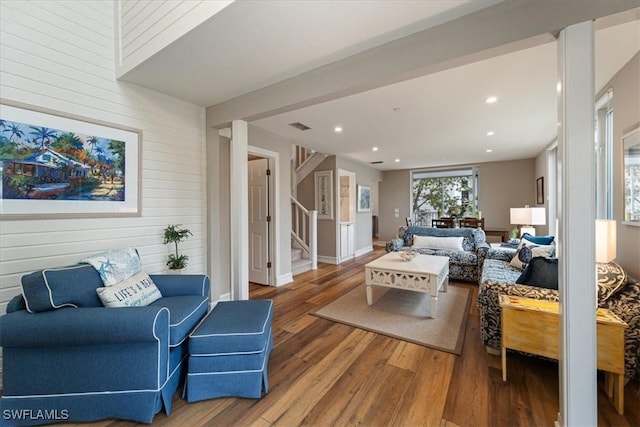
point(174, 234)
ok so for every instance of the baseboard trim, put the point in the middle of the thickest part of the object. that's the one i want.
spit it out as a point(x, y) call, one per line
point(364, 250)
point(328, 259)
point(284, 279)
point(223, 297)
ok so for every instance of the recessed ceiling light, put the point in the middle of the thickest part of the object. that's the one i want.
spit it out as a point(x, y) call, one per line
point(374, 149)
point(491, 99)
point(338, 129)
point(490, 133)
point(397, 160)
point(489, 150)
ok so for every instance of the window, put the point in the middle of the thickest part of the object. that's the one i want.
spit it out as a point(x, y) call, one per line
point(443, 193)
point(604, 156)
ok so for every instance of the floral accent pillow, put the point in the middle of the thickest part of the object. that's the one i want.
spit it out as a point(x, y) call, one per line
point(527, 251)
point(611, 278)
point(115, 265)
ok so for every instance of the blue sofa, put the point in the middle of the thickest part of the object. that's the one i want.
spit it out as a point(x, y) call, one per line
point(465, 264)
point(85, 362)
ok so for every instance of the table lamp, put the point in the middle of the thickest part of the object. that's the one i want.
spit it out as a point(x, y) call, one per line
point(526, 218)
point(605, 240)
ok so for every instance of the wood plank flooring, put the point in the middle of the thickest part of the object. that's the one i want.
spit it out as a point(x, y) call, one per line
point(328, 374)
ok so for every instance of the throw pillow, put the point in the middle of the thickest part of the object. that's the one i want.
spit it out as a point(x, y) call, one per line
point(432, 242)
point(539, 240)
point(611, 278)
point(51, 288)
point(541, 272)
point(407, 238)
point(137, 290)
point(115, 265)
point(527, 251)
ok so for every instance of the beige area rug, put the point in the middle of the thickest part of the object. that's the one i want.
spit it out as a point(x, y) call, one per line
point(404, 314)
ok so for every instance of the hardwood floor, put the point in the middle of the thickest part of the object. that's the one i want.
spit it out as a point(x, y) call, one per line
point(324, 373)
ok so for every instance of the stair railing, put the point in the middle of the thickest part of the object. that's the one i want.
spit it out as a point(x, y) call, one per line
point(304, 230)
point(302, 154)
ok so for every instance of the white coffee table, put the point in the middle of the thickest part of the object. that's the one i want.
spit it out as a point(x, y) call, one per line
point(426, 273)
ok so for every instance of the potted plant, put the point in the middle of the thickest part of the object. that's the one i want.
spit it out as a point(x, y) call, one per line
point(174, 234)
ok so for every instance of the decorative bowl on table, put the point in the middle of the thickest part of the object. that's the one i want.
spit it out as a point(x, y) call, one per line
point(408, 256)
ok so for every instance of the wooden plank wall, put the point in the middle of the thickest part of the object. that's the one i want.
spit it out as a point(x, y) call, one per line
point(147, 26)
point(60, 56)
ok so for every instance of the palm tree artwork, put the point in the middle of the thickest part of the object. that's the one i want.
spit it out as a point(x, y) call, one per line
point(43, 134)
point(93, 142)
point(42, 162)
point(15, 132)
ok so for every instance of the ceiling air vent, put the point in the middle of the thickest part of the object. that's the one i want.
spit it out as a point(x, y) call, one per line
point(299, 126)
point(379, 162)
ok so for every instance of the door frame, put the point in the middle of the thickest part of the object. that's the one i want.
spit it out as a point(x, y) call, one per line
point(273, 158)
point(352, 210)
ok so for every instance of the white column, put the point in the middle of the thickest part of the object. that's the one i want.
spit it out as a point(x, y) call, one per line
point(313, 238)
point(239, 211)
point(576, 226)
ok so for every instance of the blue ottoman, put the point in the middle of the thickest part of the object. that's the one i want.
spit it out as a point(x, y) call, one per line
point(229, 351)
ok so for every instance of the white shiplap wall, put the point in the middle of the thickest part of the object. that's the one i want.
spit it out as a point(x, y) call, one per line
point(60, 55)
point(146, 26)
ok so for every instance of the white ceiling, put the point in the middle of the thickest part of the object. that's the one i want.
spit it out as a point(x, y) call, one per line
point(251, 44)
point(441, 118)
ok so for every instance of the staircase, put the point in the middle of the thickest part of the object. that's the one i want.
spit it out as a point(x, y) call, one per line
point(304, 222)
point(298, 263)
point(303, 162)
point(304, 238)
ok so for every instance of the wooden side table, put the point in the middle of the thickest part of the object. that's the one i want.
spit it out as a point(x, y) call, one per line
point(532, 326)
point(503, 233)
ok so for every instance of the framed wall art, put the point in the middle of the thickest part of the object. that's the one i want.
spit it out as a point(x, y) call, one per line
point(540, 190)
point(631, 180)
point(324, 194)
point(55, 165)
point(364, 198)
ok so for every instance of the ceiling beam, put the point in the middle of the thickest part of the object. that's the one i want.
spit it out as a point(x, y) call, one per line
point(497, 30)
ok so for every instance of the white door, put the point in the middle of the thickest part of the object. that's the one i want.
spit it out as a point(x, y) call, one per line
point(259, 262)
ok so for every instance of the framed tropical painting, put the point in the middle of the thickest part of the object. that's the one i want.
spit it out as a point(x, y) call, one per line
point(56, 165)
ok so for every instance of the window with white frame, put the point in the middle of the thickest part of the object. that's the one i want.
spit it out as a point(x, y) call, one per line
point(443, 193)
point(604, 156)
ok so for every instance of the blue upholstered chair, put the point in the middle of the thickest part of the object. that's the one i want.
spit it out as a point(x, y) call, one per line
point(79, 361)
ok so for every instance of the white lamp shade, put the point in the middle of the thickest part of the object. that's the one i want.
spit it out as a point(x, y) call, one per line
point(605, 240)
point(528, 216)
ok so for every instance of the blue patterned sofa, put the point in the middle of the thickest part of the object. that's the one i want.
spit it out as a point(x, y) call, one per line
point(465, 264)
point(66, 358)
point(499, 277)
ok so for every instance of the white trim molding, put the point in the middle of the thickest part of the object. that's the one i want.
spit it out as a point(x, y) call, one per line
point(284, 279)
point(328, 259)
point(363, 251)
